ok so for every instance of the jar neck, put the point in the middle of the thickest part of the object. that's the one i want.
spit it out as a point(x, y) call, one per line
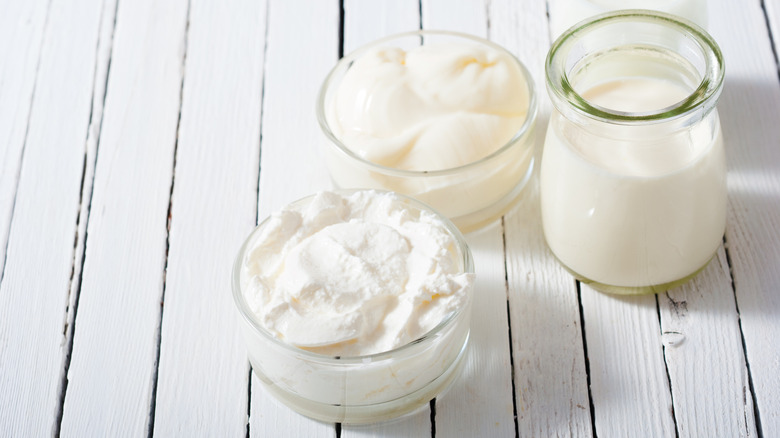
point(635, 45)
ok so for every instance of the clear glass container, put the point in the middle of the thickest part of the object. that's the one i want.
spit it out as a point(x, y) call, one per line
point(470, 195)
point(633, 174)
point(359, 389)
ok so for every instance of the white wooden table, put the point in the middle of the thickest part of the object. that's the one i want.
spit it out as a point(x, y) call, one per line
point(140, 140)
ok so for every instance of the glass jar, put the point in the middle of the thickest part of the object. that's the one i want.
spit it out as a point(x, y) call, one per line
point(471, 194)
point(356, 389)
point(633, 174)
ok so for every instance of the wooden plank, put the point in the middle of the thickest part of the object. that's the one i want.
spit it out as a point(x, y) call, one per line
point(628, 380)
point(110, 380)
point(22, 27)
point(480, 402)
point(34, 295)
point(550, 379)
point(302, 46)
point(203, 376)
point(772, 13)
point(703, 349)
point(748, 109)
point(467, 17)
point(367, 21)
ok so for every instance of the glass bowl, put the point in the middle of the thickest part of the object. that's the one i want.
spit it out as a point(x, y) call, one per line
point(357, 389)
point(470, 195)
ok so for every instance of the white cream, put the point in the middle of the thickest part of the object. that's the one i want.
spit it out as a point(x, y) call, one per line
point(436, 107)
point(353, 275)
point(567, 13)
point(633, 207)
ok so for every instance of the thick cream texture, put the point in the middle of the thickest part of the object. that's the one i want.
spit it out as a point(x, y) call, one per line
point(633, 207)
point(438, 106)
point(353, 275)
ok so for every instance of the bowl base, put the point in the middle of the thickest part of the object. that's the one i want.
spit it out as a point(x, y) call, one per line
point(372, 413)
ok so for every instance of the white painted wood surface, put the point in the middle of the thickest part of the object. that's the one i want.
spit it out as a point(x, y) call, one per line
point(690, 315)
point(749, 111)
point(187, 119)
point(202, 367)
point(34, 294)
point(113, 364)
point(22, 26)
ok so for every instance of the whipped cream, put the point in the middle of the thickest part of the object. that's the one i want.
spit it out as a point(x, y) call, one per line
point(353, 275)
point(437, 106)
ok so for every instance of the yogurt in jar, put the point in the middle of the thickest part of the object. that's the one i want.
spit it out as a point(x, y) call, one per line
point(633, 174)
point(634, 211)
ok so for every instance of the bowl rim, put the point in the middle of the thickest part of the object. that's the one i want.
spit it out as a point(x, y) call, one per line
point(343, 64)
point(248, 316)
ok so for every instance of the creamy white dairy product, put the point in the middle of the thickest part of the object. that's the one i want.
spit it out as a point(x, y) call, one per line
point(437, 106)
point(353, 275)
point(631, 206)
point(567, 13)
point(433, 122)
point(336, 275)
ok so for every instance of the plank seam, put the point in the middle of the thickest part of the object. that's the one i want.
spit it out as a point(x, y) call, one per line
point(262, 113)
point(341, 28)
point(487, 36)
point(24, 142)
point(756, 413)
point(420, 10)
point(74, 288)
point(433, 418)
point(587, 360)
point(249, 400)
point(156, 372)
point(257, 190)
point(771, 37)
point(666, 365)
point(509, 329)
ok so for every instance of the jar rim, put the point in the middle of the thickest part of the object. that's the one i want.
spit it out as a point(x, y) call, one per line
point(524, 129)
point(248, 315)
point(703, 97)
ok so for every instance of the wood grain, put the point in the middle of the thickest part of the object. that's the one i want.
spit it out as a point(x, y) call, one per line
point(203, 368)
point(703, 349)
point(302, 46)
point(748, 108)
point(628, 379)
point(22, 27)
point(551, 389)
point(110, 379)
point(34, 295)
point(367, 21)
